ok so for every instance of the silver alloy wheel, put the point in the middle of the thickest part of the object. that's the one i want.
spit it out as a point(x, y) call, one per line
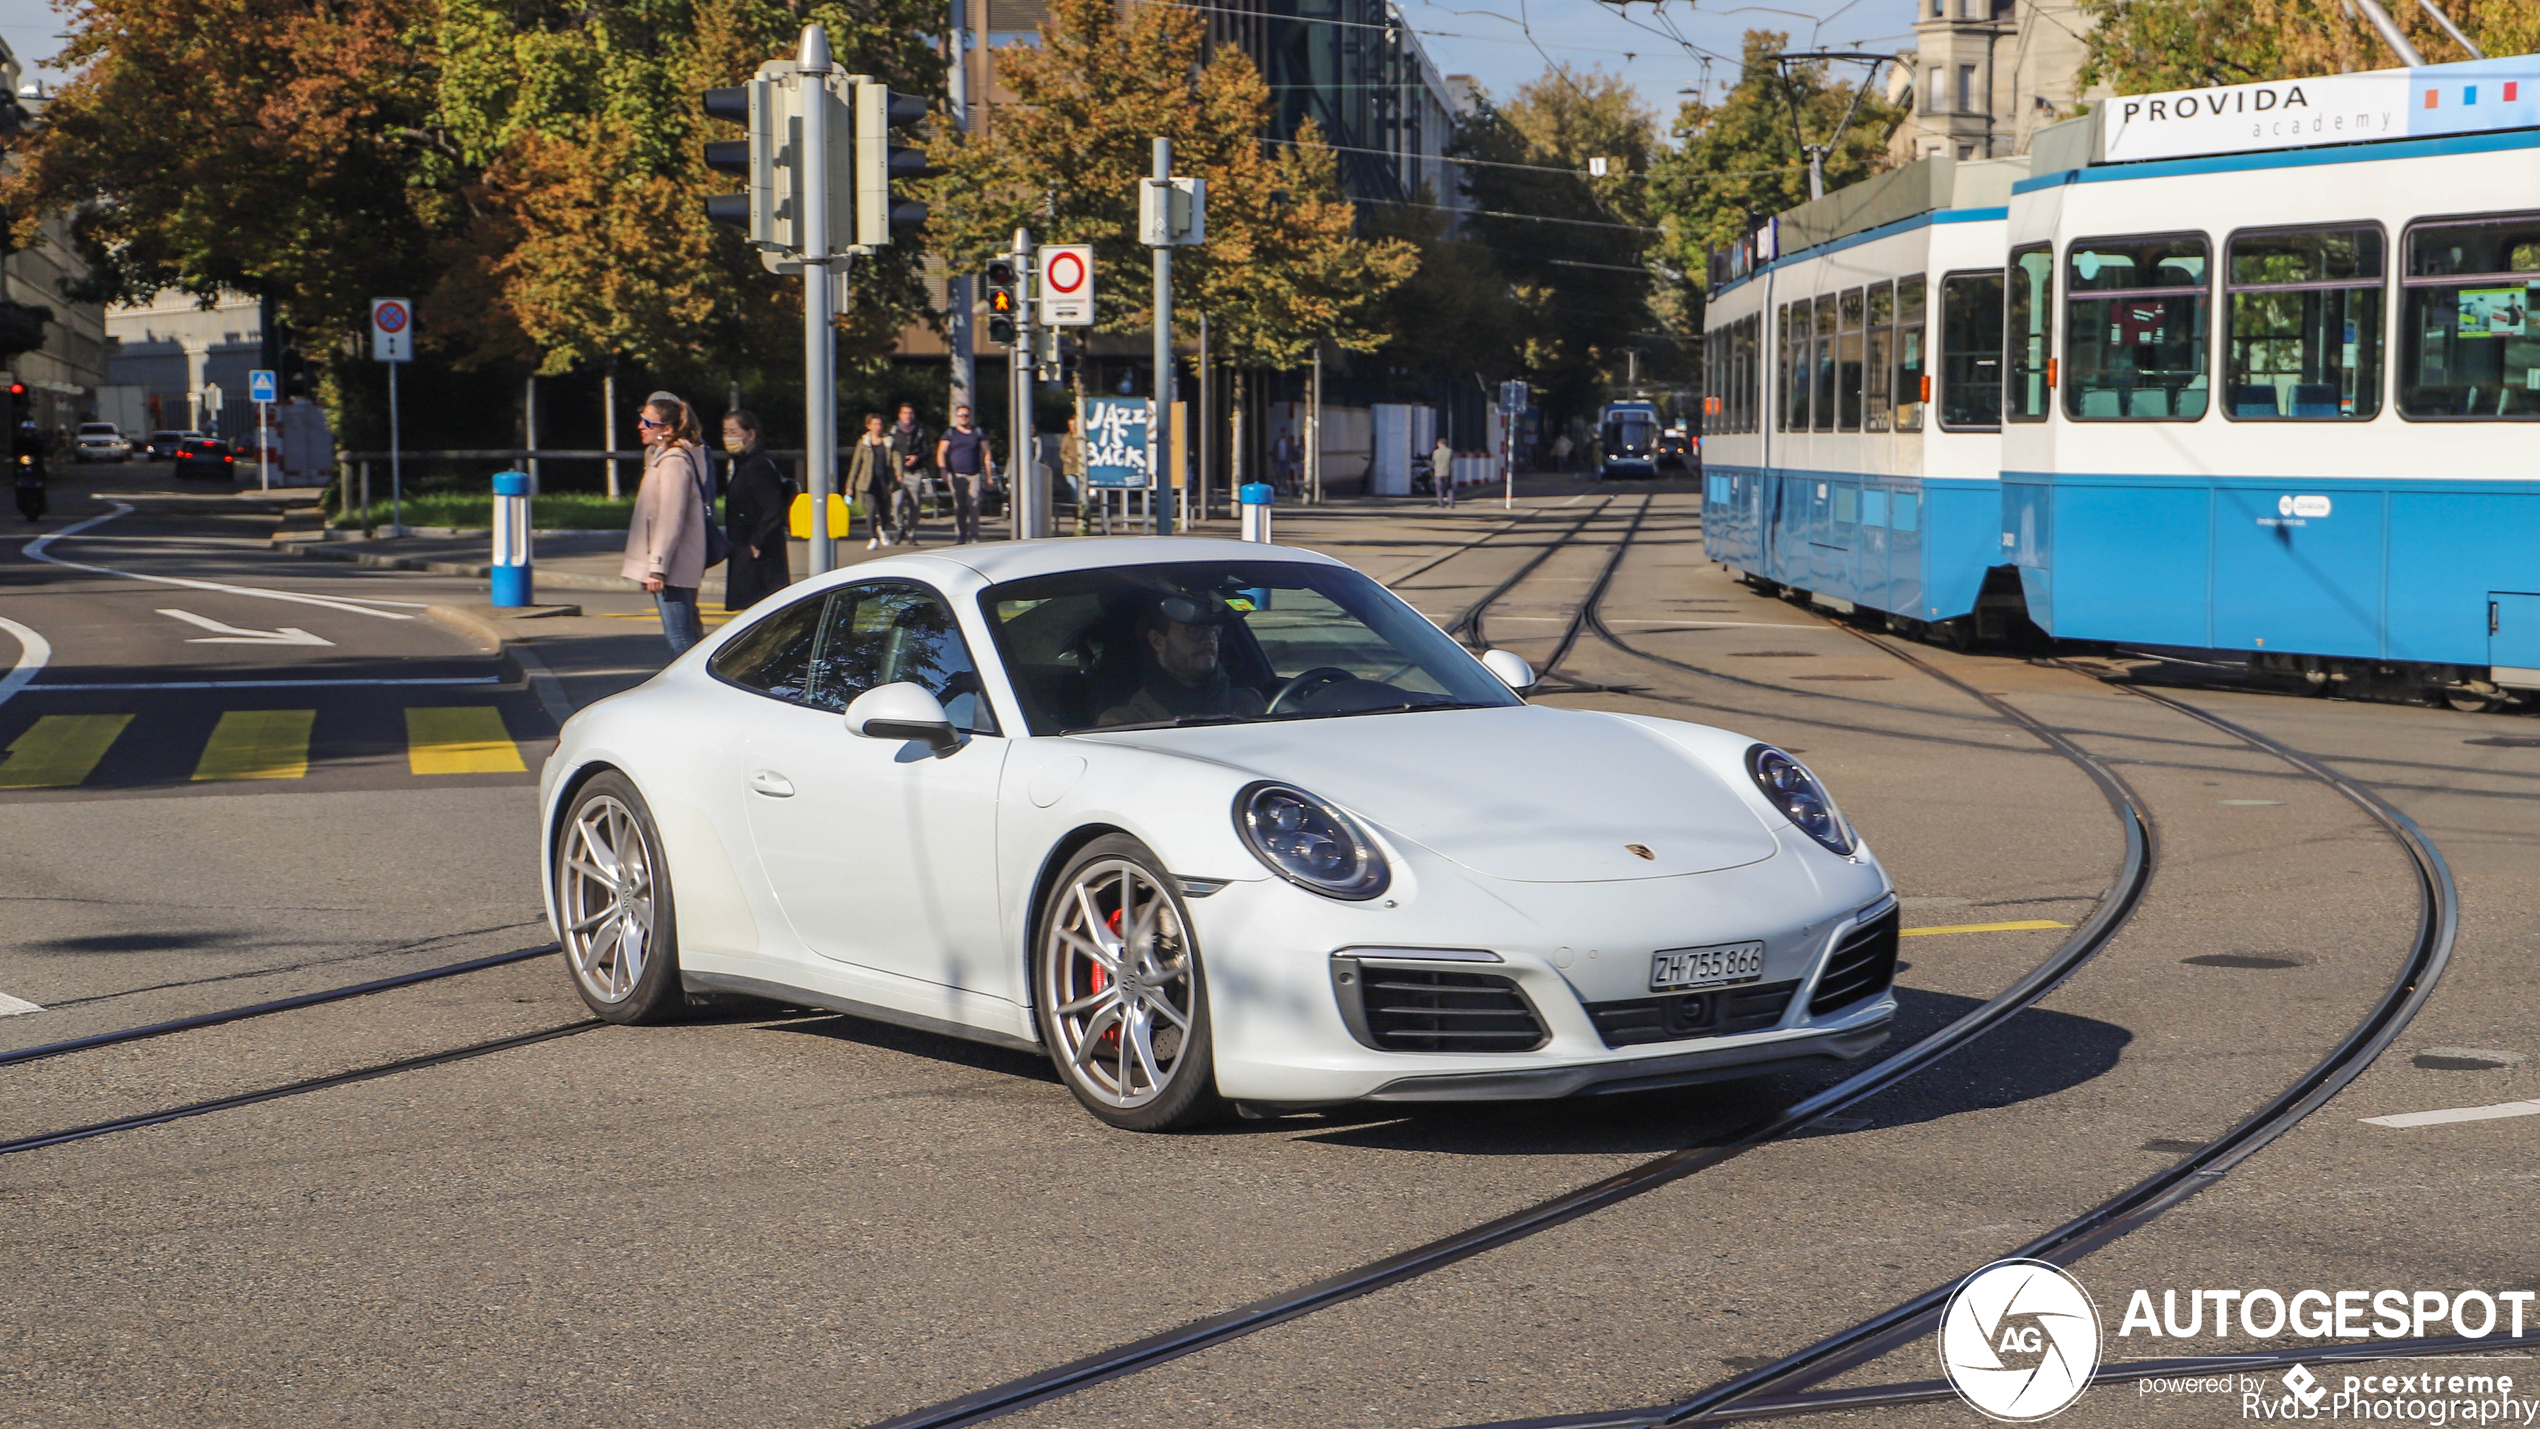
point(1117, 980)
point(604, 894)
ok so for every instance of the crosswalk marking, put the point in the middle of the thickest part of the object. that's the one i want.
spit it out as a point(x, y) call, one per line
point(258, 744)
point(57, 751)
point(460, 739)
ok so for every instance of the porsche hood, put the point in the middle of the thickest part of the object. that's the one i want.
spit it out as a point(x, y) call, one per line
point(1527, 794)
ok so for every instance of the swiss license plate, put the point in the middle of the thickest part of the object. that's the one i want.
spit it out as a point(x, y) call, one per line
point(1680, 968)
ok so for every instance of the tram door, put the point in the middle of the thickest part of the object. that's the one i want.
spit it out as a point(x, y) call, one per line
point(2513, 637)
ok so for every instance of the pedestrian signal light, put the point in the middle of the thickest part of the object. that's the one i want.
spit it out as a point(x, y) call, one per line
point(1002, 303)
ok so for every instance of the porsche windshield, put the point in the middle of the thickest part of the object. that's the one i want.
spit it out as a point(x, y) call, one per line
point(1231, 642)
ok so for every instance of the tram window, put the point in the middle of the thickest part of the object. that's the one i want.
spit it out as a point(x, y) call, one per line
point(2305, 325)
point(2469, 347)
point(1794, 367)
point(2134, 339)
point(1748, 369)
point(1821, 412)
point(1909, 352)
point(1876, 371)
point(2028, 332)
point(1847, 364)
point(1971, 352)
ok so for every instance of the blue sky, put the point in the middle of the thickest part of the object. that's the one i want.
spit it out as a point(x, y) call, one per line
point(1501, 43)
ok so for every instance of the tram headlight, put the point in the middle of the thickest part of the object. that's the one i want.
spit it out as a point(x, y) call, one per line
point(1789, 787)
point(1309, 843)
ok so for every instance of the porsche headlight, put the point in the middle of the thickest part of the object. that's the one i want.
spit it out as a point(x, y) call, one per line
point(1310, 843)
point(1789, 787)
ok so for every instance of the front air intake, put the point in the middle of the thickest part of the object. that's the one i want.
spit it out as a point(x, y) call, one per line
point(1862, 966)
point(1395, 1009)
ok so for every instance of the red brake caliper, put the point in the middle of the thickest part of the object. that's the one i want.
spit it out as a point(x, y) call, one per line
point(1110, 1037)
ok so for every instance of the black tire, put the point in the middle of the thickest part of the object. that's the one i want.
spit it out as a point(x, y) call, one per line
point(1170, 972)
point(620, 982)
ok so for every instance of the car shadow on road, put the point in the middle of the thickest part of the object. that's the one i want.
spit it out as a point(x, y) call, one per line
point(2037, 1054)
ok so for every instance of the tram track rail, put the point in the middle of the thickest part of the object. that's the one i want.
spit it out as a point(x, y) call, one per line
point(266, 1009)
point(1788, 1386)
point(2133, 875)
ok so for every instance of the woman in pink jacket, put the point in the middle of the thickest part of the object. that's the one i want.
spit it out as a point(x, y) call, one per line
point(666, 540)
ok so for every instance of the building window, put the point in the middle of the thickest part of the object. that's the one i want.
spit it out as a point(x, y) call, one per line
point(2028, 328)
point(2468, 344)
point(1966, 91)
point(1970, 351)
point(1932, 97)
point(2305, 325)
point(2134, 313)
point(1910, 343)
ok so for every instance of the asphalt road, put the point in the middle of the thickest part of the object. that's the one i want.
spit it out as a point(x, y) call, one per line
point(798, 1219)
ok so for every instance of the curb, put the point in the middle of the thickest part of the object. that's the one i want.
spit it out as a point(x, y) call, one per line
point(558, 580)
point(518, 658)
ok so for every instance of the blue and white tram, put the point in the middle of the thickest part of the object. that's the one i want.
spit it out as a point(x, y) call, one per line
point(1841, 459)
point(2276, 403)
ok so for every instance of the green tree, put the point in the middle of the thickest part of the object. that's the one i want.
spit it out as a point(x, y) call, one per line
point(1739, 161)
point(1568, 248)
point(2144, 46)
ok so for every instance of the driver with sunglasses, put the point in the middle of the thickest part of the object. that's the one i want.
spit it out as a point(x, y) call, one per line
point(1185, 677)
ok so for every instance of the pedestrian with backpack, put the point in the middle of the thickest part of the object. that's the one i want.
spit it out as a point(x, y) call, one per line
point(672, 538)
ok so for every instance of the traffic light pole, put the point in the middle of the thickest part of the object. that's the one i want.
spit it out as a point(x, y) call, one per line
point(820, 387)
point(1159, 469)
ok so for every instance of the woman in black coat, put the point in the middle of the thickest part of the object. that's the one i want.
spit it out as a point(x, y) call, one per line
point(756, 512)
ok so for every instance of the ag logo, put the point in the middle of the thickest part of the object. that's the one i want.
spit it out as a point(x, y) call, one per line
point(2306, 1386)
point(2019, 1340)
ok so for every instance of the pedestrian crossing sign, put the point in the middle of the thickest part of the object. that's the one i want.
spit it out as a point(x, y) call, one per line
point(261, 387)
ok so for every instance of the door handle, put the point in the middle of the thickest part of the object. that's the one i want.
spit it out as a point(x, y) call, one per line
point(771, 783)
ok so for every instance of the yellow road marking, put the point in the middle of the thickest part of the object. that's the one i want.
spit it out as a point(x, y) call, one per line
point(460, 739)
point(2027, 926)
point(258, 744)
point(58, 751)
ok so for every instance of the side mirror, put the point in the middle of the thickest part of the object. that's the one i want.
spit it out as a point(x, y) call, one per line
point(903, 711)
point(1508, 665)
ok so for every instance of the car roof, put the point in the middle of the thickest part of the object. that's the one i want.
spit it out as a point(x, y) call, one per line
point(1000, 561)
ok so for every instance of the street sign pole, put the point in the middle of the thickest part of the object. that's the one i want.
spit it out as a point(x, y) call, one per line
point(820, 386)
point(1160, 427)
point(1024, 490)
point(396, 463)
point(261, 388)
point(392, 341)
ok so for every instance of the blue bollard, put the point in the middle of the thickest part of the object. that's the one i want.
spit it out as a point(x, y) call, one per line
point(512, 581)
point(1255, 497)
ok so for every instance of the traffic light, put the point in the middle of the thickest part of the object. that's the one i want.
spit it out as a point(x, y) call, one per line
point(878, 161)
point(1003, 301)
point(771, 106)
point(734, 156)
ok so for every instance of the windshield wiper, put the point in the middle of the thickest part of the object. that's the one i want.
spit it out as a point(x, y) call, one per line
point(1406, 707)
point(1184, 722)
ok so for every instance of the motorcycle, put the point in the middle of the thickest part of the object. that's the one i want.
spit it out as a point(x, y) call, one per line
point(30, 484)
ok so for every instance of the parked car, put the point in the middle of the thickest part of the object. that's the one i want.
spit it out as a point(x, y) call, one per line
point(1205, 822)
point(100, 441)
point(163, 445)
point(205, 457)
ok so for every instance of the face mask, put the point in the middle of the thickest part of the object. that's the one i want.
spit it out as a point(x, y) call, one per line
point(734, 445)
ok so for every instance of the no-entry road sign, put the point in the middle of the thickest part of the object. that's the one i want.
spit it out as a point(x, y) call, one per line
point(1067, 285)
point(392, 330)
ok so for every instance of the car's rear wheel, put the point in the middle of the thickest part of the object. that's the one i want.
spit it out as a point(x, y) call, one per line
point(1121, 996)
point(613, 908)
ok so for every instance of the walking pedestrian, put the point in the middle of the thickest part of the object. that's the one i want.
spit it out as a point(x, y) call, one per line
point(666, 540)
point(757, 510)
point(909, 448)
point(870, 478)
point(1561, 452)
point(1442, 470)
point(1071, 460)
point(1285, 466)
point(962, 454)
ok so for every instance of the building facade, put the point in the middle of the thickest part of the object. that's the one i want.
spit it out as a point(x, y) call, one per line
point(179, 352)
point(1986, 75)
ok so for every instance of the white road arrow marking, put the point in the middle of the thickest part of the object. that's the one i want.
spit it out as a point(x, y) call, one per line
point(232, 635)
point(16, 1007)
point(355, 605)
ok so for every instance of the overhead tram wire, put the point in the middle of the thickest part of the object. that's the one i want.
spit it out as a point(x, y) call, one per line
point(2134, 874)
point(1785, 1386)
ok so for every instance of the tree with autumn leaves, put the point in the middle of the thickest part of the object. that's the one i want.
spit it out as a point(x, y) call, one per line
point(2146, 46)
point(1283, 267)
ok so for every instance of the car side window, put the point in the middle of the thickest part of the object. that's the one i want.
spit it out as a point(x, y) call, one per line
point(893, 631)
point(773, 657)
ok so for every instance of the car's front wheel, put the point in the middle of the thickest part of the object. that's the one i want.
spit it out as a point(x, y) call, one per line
point(1121, 996)
point(613, 909)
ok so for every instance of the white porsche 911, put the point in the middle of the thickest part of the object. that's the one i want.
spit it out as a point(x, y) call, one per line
point(1209, 823)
